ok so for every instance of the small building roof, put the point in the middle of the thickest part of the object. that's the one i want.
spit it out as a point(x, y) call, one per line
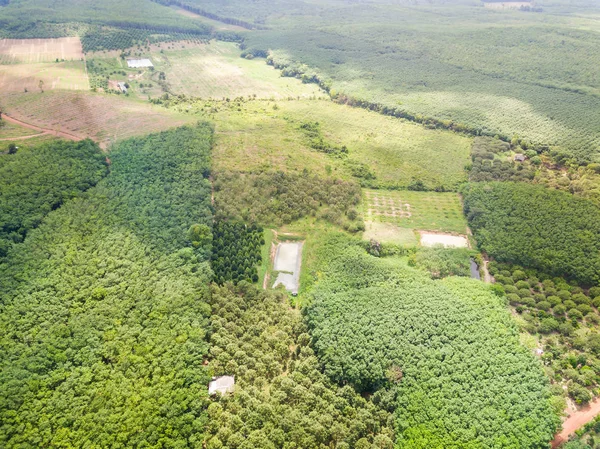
point(519, 157)
point(122, 86)
point(221, 384)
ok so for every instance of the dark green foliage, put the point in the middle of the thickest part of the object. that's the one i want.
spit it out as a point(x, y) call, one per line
point(552, 231)
point(104, 312)
point(236, 251)
point(35, 181)
point(275, 198)
point(453, 340)
point(492, 162)
point(282, 398)
point(442, 262)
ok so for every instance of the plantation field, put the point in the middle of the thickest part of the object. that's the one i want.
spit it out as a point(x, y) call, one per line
point(389, 233)
point(86, 114)
point(431, 211)
point(217, 71)
point(40, 50)
point(43, 76)
point(214, 23)
point(254, 135)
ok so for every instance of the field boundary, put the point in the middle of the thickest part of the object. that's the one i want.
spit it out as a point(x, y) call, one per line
point(54, 132)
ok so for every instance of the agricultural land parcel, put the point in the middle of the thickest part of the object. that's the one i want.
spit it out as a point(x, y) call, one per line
point(453, 63)
point(42, 64)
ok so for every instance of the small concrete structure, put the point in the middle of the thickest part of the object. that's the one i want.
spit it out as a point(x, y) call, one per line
point(520, 157)
point(139, 63)
point(123, 87)
point(221, 384)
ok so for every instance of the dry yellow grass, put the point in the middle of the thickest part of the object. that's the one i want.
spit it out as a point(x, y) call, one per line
point(27, 77)
point(40, 50)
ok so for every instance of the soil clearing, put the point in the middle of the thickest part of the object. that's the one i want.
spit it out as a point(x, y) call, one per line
point(37, 128)
point(456, 241)
point(575, 421)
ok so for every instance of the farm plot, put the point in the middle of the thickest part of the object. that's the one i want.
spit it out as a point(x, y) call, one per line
point(40, 77)
point(14, 131)
point(431, 211)
point(27, 51)
point(216, 70)
point(86, 114)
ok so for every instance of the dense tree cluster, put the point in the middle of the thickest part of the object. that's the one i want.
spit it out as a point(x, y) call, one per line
point(492, 161)
point(530, 225)
point(282, 399)
point(448, 349)
point(564, 317)
point(236, 251)
point(35, 181)
point(104, 308)
point(275, 198)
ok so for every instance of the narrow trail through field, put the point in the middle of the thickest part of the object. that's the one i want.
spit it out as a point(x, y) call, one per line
point(576, 421)
point(37, 128)
point(5, 139)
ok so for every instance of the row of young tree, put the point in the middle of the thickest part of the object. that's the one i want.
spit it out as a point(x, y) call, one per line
point(529, 225)
point(105, 307)
point(445, 356)
point(36, 180)
point(236, 251)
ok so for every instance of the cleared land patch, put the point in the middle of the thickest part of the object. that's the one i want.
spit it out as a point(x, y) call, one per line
point(13, 130)
point(287, 262)
point(431, 211)
point(389, 233)
point(447, 240)
point(216, 70)
point(39, 77)
point(40, 50)
point(86, 114)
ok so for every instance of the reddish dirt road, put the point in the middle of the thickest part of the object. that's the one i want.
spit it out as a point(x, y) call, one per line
point(575, 421)
point(37, 128)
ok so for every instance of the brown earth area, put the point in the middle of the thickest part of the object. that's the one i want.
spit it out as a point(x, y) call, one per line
point(575, 421)
point(37, 128)
point(40, 50)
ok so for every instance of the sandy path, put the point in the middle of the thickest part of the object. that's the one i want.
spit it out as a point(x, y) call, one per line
point(43, 130)
point(6, 139)
point(575, 421)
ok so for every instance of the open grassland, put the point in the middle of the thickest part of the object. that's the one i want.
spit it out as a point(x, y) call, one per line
point(12, 130)
point(40, 50)
point(86, 114)
point(255, 135)
point(217, 71)
point(43, 76)
point(431, 211)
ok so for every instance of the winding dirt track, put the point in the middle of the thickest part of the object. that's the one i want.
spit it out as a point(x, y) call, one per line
point(575, 421)
point(37, 128)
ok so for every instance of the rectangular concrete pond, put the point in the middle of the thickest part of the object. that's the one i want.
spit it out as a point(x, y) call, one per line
point(288, 259)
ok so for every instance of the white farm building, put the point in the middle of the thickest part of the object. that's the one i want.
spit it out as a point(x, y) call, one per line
point(139, 63)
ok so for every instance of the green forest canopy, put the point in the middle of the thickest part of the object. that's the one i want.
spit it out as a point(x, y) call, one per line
point(35, 181)
point(104, 308)
point(448, 351)
point(535, 227)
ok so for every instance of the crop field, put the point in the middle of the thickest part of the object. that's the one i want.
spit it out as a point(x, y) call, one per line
point(217, 71)
point(429, 211)
point(11, 130)
point(214, 23)
point(86, 114)
point(43, 76)
point(27, 51)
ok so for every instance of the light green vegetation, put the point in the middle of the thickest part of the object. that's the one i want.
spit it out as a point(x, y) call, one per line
point(215, 70)
point(9, 130)
point(384, 232)
point(431, 211)
point(254, 135)
point(499, 72)
point(436, 352)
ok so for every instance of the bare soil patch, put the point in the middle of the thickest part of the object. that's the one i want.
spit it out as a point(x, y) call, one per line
point(448, 240)
point(40, 50)
point(47, 76)
point(575, 421)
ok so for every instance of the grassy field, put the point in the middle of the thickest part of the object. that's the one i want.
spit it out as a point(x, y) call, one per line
point(217, 71)
point(258, 135)
point(104, 118)
point(11, 130)
point(430, 211)
point(27, 51)
point(43, 76)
